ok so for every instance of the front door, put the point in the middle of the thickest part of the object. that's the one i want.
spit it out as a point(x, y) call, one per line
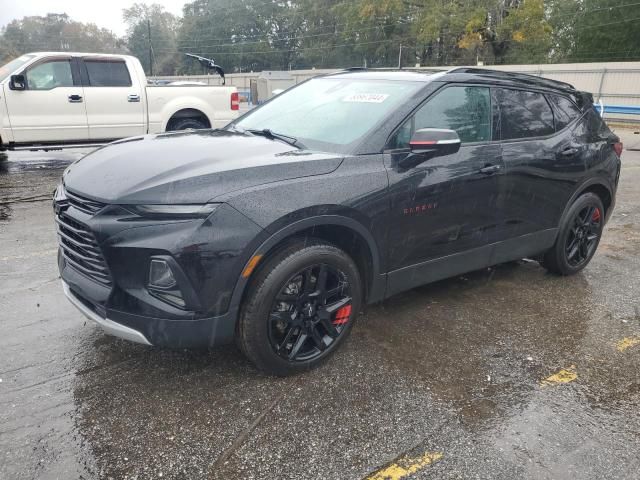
point(115, 102)
point(52, 107)
point(447, 205)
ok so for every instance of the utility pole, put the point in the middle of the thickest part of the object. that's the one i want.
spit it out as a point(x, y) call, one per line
point(150, 48)
point(400, 58)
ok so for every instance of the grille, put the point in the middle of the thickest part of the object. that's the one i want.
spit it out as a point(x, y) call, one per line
point(83, 204)
point(81, 250)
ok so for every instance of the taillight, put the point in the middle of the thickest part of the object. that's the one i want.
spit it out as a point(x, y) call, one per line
point(235, 101)
point(617, 147)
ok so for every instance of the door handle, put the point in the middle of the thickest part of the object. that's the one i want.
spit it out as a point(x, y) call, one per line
point(75, 98)
point(490, 169)
point(133, 98)
point(567, 152)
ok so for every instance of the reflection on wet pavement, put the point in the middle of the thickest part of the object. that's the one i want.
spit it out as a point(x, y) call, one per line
point(31, 176)
point(503, 373)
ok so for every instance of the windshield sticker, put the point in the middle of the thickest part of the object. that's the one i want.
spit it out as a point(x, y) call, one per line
point(366, 98)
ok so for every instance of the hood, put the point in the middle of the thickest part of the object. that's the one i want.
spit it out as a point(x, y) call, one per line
point(189, 167)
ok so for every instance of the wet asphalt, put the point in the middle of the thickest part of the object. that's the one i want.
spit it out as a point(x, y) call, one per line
point(504, 373)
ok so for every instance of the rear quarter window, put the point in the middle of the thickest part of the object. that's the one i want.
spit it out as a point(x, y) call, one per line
point(595, 124)
point(564, 109)
point(108, 73)
point(524, 114)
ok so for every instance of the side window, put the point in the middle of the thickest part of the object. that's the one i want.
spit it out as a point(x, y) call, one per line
point(564, 109)
point(107, 73)
point(48, 75)
point(467, 110)
point(524, 114)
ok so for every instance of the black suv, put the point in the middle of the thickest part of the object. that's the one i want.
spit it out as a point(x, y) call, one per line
point(339, 192)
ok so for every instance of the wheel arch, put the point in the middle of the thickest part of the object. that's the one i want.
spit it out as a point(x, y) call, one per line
point(599, 187)
point(188, 113)
point(603, 192)
point(346, 233)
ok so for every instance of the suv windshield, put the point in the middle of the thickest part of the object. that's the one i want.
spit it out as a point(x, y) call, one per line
point(330, 114)
point(13, 65)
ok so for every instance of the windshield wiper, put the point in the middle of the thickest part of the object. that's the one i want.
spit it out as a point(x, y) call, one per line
point(265, 132)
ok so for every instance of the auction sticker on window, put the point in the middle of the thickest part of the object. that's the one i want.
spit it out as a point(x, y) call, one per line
point(366, 98)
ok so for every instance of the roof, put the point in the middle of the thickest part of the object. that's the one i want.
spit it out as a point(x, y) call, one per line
point(79, 54)
point(530, 80)
point(397, 75)
point(461, 74)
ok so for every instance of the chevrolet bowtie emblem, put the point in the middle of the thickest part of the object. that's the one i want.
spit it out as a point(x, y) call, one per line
point(60, 200)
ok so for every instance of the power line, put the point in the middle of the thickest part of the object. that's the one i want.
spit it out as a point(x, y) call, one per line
point(305, 36)
point(327, 47)
point(268, 41)
point(297, 49)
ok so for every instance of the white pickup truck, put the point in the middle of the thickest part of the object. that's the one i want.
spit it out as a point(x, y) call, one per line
point(63, 99)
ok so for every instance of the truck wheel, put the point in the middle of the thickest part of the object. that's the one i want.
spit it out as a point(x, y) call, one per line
point(300, 307)
point(185, 124)
point(578, 237)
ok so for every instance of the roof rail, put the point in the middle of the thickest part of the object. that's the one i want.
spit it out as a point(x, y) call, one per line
point(522, 77)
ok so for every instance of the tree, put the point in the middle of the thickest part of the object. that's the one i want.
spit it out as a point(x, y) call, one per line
point(55, 32)
point(508, 31)
point(143, 20)
point(595, 30)
point(243, 35)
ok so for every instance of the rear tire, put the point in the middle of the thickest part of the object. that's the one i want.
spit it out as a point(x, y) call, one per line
point(578, 237)
point(286, 326)
point(186, 124)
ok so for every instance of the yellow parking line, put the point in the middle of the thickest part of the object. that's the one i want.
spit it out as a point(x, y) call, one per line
point(627, 342)
point(405, 466)
point(565, 375)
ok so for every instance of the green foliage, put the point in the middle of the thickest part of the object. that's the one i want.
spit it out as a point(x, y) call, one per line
point(142, 20)
point(596, 30)
point(244, 35)
point(55, 32)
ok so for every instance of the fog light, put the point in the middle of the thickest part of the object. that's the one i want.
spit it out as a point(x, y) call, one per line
point(160, 275)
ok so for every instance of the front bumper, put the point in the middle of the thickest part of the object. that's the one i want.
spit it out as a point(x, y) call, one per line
point(160, 332)
point(109, 326)
point(104, 261)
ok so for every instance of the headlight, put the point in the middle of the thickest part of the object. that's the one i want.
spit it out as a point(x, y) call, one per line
point(174, 211)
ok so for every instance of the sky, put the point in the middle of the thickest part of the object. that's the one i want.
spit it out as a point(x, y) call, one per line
point(104, 13)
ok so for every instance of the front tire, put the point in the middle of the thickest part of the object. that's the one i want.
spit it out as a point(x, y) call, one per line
point(578, 237)
point(301, 306)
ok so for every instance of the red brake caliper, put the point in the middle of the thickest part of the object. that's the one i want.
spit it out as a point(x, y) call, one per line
point(342, 315)
point(596, 215)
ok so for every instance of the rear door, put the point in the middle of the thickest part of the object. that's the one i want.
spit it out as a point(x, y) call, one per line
point(113, 99)
point(540, 167)
point(52, 108)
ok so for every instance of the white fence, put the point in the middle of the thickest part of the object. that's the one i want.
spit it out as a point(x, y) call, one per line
point(615, 83)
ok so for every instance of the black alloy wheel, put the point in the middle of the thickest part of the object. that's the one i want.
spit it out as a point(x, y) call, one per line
point(310, 312)
point(301, 305)
point(584, 235)
point(578, 236)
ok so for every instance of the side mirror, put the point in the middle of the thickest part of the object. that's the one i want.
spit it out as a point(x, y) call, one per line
point(428, 143)
point(18, 82)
